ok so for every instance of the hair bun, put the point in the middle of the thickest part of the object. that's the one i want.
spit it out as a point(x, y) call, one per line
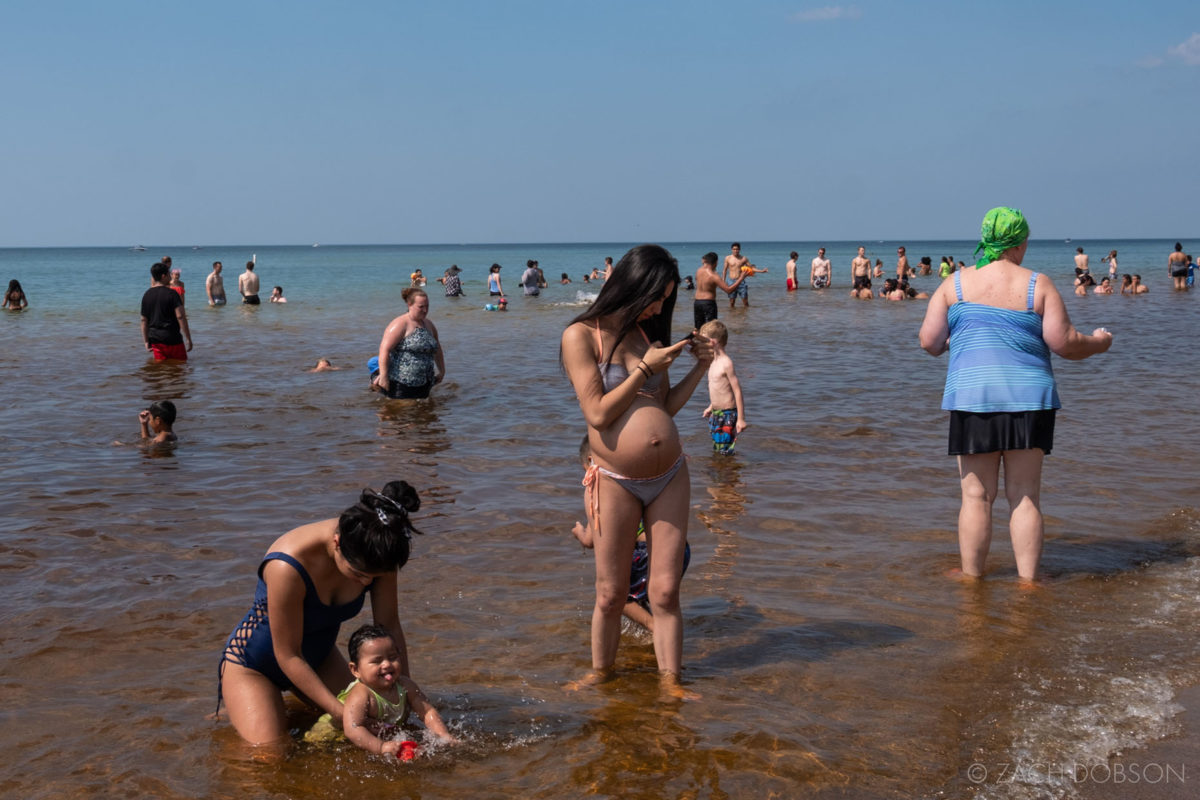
point(403, 494)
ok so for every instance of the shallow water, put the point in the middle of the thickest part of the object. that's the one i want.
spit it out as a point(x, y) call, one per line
point(832, 657)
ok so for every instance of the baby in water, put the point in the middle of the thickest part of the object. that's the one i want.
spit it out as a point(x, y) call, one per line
point(377, 702)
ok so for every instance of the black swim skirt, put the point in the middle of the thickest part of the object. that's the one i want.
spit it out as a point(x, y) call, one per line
point(402, 391)
point(973, 433)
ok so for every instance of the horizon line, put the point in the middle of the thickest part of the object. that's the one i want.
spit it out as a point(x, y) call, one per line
point(193, 248)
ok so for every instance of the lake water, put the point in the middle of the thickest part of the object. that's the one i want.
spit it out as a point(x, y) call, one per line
point(833, 658)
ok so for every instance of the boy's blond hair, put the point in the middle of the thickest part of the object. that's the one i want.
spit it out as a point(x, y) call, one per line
point(715, 329)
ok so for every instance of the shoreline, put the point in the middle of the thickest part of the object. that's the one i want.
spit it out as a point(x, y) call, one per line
point(1167, 769)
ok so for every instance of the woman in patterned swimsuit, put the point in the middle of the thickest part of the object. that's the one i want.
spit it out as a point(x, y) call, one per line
point(313, 579)
point(411, 351)
point(615, 358)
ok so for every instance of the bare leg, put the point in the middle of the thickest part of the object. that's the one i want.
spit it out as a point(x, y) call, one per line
point(619, 515)
point(666, 536)
point(255, 705)
point(978, 476)
point(1022, 487)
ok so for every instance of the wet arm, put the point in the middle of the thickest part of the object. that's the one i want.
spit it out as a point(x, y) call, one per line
point(438, 357)
point(729, 287)
point(356, 717)
point(1058, 332)
point(600, 409)
point(285, 612)
point(146, 333)
point(181, 315)
point(678, 396)
point(935, 330)
point(392, 334)
point(424, 709)
point(736, 386)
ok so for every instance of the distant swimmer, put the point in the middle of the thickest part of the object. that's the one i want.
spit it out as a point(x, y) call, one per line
point(495, 288)
point(1111, 258)
point(789, 270)
point(608, 267)
point(734, 262)
point(417, 279)
point(214, 287)
point(277, 295)
point(878, 268)
point(157, 422)
point(903, 270)
point(1177, 267)
point(164, 323)
point(176, 283)
point(530, 279)
point(1138, 286)
point(860, 271)
point(1081, 260)
point(248, 285)
point(14, 298)
point(324, 365)
point(708, 281)
point(821, 274)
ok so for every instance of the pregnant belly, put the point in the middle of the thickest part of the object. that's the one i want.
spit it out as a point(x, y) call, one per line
point(642, 444)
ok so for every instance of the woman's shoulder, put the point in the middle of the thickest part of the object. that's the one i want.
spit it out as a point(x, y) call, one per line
point(580, 337)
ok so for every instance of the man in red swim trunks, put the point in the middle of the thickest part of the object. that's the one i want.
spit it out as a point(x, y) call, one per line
point(164, 322)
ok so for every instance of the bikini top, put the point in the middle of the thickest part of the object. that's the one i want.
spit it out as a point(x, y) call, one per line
point(613, 375)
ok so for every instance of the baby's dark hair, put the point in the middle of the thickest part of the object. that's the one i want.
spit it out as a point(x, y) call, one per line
point(374, 533)
point(365, 633)
point(164, 410)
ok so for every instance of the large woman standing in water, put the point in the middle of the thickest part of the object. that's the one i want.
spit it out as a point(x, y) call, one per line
point(1000, 322)
point(616, 360)
point(410, 355)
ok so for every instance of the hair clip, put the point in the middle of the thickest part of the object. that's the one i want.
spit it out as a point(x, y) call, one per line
point(399, 508)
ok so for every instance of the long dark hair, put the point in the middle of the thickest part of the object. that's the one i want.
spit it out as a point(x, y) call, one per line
point(374, 533)
point(638, 280)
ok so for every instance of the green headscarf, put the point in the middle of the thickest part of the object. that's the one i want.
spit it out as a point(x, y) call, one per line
point(1002, 228)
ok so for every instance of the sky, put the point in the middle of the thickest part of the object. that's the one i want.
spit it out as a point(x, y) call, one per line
point(171, 123)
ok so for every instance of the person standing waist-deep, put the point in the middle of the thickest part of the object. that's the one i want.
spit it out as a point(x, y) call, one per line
point(164, 323)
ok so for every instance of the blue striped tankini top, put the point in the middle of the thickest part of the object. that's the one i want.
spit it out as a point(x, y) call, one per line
point(998, 360)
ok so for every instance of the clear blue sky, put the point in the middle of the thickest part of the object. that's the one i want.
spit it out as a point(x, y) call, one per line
point(517, 121)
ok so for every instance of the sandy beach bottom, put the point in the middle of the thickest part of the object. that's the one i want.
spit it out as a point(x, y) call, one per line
point(1168, 769)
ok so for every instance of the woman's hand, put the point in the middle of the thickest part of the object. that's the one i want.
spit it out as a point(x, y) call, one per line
point(658, 359)
point(701, 347)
